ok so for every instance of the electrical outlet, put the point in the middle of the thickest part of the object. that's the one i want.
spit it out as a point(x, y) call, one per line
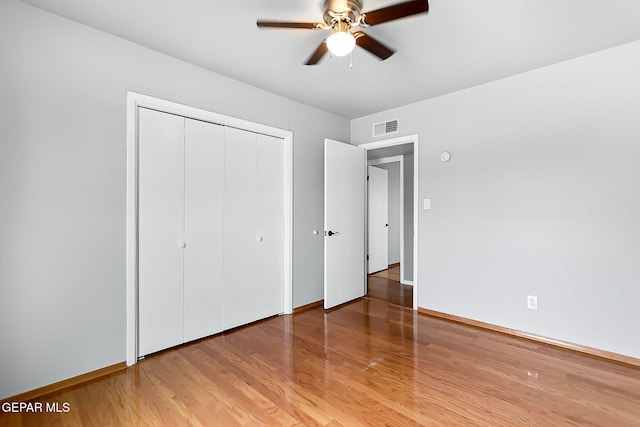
point(532, 302)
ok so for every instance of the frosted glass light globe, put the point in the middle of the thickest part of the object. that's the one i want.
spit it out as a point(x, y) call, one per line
point(341, 43)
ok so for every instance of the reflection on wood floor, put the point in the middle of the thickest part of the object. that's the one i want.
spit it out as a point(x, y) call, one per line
point(367, 363)
point(385, 286)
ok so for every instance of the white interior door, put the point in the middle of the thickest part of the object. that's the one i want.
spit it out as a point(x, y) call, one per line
point(204, 189)
point(240, 233)
point(161, 228)
point(378, 219)
point(344, 214)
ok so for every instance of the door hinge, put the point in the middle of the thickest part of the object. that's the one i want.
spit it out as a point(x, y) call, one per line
point(367, 257)
point(367, 177)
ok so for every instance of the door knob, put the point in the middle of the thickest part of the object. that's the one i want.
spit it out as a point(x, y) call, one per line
point(259, 238)
point(182, 245)
point(386, 225)
point(331, 233)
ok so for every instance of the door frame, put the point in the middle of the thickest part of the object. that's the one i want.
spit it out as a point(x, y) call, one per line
point(394, 159)
point(136, 100)
point(409, 139)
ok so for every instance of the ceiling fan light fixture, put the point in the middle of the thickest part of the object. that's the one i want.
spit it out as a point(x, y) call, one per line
point(342, 16)
point(341, 42)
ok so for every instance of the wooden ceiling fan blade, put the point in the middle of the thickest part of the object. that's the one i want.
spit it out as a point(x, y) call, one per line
point(318, 54)
point(397, 11)
point(284, 24)
point(372, 45)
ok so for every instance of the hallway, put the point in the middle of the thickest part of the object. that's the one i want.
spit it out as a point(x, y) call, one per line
point(385, 286)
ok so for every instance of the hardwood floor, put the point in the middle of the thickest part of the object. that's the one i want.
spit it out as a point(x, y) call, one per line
point(385, 286)
point(391, 273)
point(366, 363)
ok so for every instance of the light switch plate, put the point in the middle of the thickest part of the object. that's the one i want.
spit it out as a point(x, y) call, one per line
point(427, 204)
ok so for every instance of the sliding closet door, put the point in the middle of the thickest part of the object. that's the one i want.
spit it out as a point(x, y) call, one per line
point(270, 246)
point(160, 265)
point(203, 211)
point(240, 234)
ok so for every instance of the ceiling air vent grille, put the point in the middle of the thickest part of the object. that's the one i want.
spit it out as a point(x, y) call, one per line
point(385, 128)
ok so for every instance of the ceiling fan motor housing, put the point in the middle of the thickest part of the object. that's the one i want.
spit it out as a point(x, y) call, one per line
point(341, 10)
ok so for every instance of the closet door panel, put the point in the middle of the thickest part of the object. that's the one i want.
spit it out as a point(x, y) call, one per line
point(240, 237)
point(270, 262)
point(161, 186)
point(204, 192)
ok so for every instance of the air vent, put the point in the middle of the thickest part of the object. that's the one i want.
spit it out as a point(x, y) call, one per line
point(385, 128)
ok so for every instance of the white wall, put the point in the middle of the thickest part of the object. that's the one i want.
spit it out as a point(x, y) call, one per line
point(62, 186)
point(393, 170)
point(541, 197)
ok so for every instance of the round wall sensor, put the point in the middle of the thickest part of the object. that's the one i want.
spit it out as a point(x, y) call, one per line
point(445, 156)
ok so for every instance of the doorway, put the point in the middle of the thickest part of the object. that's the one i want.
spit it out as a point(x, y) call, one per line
point(397, 283)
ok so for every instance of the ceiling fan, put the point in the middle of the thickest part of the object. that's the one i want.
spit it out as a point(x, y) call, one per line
point(341, 16)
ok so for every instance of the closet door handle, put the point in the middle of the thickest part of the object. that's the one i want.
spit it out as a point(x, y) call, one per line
point(182, 245)
point(331, 233)
point(259, 239)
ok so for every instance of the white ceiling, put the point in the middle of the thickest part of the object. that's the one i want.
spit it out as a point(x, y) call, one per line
point(459, 44)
